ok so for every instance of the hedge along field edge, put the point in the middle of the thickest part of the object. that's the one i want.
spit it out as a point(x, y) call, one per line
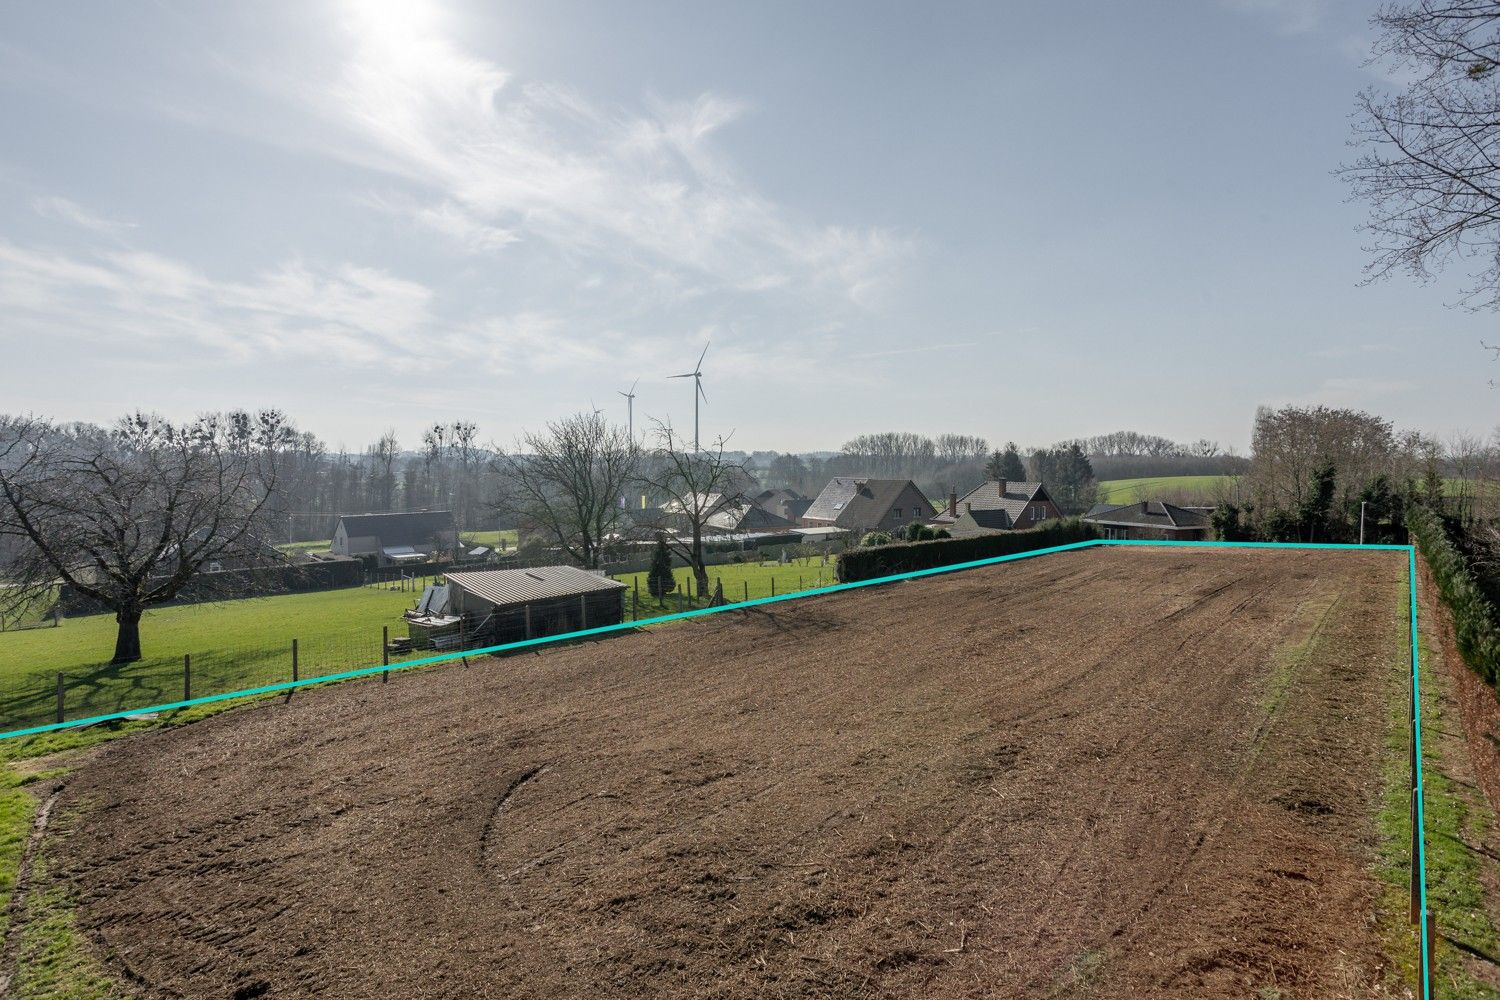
point(1410, 550)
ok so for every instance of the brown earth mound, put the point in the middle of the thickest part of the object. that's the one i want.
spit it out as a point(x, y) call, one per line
point(1105, 773)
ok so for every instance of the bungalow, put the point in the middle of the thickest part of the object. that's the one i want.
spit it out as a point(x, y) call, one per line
point(392, 539)
point(997, 505)
point(1149, 519)
point(859, 504)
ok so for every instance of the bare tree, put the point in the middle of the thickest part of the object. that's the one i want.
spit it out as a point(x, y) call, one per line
point(131, 516)
point(568, 483)
point(697, 485)
point(1430, 170)
point(383, 468)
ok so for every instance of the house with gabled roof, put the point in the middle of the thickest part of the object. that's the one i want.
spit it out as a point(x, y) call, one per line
point(393, 539)
point(860, 504)
point(997, 505)
point(726, 514)
point(784, 503)
point(1150, 519)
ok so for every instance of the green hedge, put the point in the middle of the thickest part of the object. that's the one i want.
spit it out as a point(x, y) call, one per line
point(903, 557)
point(1474, 618)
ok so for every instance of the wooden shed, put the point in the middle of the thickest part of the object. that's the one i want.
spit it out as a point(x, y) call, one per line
point(505, 605)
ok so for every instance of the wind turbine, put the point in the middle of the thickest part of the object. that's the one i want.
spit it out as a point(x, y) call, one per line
point(630, 406)
point(697, 376)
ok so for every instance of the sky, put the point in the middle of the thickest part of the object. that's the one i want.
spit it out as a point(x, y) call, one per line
point(1030, 222)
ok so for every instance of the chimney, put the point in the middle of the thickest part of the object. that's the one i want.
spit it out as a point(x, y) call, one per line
point(1003, 484)
point(952, 504)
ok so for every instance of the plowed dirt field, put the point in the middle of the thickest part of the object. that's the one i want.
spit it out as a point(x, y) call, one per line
point(1105, 773)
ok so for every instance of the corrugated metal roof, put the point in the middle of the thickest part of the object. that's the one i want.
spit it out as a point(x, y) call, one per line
point(521, 586)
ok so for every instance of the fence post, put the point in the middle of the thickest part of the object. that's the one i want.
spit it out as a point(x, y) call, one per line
point(294, 659)
point(59, 696)
point(583, 612)
point(635, 601)
point(187, 676)
point(1416, 874)
point(463, 638)
point(747, 589)
point(385, 652)
point(773, 586)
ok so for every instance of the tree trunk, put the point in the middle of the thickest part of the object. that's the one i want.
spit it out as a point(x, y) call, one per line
point(128, 637)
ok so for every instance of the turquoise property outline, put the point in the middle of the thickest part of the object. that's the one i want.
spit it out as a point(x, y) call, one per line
point(1410, 550)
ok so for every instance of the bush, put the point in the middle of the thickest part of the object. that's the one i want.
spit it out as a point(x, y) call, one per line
point(1474, 618)
point(867, 564)
point(874, 538)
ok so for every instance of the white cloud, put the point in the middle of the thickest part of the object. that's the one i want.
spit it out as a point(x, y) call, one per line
point(136, 301)
point(63, 210)
point(497, 160)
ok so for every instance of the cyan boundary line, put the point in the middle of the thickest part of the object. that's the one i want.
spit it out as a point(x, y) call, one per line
point(624, 626)
point(1411, 553)
point(1425, 960)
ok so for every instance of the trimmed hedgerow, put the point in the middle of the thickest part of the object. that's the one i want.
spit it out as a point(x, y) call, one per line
point(884, 560)
point(1474, 616)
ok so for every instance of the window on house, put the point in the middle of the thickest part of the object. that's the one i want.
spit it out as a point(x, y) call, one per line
point(1038, 513)
point(896, 513)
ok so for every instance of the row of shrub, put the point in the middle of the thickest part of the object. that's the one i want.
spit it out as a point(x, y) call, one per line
point(885, 560)
point(1474, 618)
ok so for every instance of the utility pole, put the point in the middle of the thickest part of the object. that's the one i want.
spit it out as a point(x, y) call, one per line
point(1362, 522)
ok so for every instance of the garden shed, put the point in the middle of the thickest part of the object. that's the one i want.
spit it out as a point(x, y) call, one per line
point(490, 607)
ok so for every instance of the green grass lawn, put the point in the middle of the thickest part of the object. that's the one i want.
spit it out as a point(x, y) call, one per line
point(741, 581)
point(317, 545)
point(492, 538)
point(1134, 490)
point(233, 645)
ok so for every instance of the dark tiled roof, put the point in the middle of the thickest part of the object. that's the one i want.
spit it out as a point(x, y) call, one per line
point(851, 501)
point(1101, 508)
point(783, 503)
point(746, 516)
point(987, 496)
point(993, 519)
point(1151, 514)
point(416, 527)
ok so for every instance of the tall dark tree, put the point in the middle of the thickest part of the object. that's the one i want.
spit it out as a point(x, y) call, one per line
point(1011, 467)
point(659, 580)
point(130, 517)
point(1318, 503)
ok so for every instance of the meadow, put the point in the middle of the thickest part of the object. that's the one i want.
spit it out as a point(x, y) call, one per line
point(233, 644)
point(742, 581)
point(1206, 488)
point(248, 643)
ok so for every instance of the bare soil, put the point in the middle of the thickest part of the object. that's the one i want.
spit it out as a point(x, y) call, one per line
point(1096, 774)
